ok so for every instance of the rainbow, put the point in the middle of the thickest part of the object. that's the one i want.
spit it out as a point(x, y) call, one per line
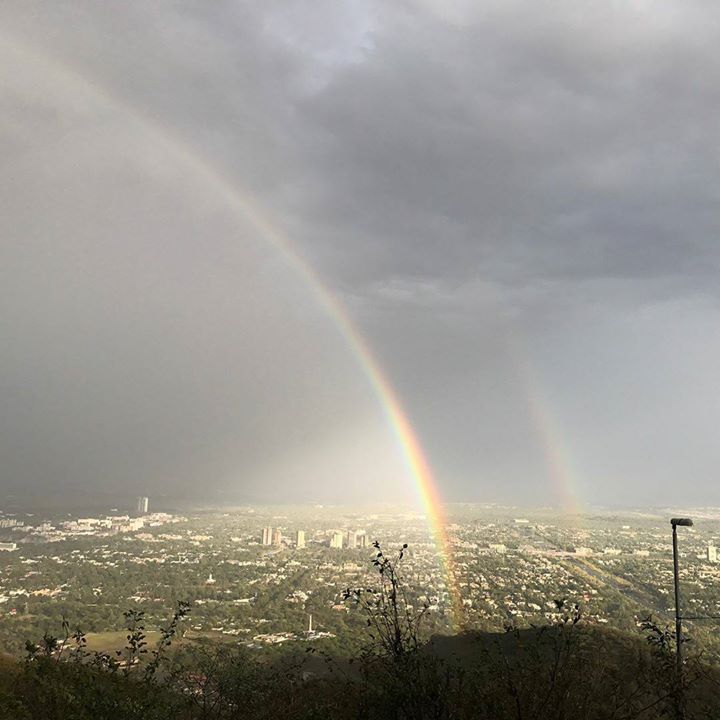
point(241, 202)
point(558, 459)
point(557, 456)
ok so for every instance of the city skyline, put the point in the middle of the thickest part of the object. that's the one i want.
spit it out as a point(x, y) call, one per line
point(505, 567)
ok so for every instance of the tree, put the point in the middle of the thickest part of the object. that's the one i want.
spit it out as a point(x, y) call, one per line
point(394, 623)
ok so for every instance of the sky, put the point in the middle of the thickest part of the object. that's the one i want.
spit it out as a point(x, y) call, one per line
point(514, 206)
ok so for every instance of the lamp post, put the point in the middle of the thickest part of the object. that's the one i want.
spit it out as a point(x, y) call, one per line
point(682, 522)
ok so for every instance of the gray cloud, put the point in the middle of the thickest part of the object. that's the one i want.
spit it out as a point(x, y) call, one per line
point(488, 188)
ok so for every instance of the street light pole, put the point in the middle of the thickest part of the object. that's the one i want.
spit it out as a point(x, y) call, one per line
point(678, 621)
point(683, 522)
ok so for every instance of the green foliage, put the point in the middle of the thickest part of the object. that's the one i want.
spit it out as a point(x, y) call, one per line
point(567, 670)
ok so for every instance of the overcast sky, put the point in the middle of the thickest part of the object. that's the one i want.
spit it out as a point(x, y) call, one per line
point(516, 203)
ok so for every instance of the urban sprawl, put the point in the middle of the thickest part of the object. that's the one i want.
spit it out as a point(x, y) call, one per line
point(271, 577)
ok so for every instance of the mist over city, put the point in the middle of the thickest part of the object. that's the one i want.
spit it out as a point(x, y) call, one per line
point(359, 359)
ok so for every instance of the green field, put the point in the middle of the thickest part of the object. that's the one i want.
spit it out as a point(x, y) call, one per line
point(116, 640)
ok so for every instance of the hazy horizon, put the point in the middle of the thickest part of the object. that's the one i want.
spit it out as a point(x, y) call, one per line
point(100, 505)
point(513, 204)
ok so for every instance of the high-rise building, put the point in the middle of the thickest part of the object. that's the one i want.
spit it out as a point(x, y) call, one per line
point(300, 539)
point(352, 539)
point(142, 505)
point(336, 541)
point(267, 536)
point(362, 539)
point(277, 537)
point(712, 554)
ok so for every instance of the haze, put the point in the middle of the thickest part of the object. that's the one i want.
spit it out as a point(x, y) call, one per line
point(515, 203)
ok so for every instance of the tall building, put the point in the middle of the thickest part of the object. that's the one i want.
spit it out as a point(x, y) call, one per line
point(142, 505)
point(277, 537)
point(267, 536)
point(362, 540)
point(352, 539)
point(336, 541)
point(712, 554)
point(300, 539)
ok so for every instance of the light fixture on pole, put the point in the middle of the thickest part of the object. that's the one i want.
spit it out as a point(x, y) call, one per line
point(682, 522)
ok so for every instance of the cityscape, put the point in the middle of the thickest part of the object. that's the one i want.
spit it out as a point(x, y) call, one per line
point(275, 576)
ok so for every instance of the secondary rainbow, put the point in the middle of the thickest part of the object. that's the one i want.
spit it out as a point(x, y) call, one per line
point(241, 202)
point(558, 459)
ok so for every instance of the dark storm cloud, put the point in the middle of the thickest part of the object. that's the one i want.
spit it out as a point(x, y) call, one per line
point(489, 187)
point(529, 142)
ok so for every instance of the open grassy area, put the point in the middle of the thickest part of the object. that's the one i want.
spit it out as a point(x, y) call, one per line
point(116, 640)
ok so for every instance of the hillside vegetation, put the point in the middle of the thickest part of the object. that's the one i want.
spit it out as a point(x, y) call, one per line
point(565, 671)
